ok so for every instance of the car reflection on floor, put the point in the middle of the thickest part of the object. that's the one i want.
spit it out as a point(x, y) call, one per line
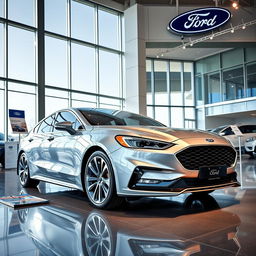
point(56, 231)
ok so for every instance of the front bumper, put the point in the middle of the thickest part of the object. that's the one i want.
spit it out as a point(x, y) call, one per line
point(171, 177)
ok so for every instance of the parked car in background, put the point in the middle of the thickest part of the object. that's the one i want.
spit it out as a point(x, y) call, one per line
point(232, 132)
point(2, 149)
point(112, 154)
point(250, 146)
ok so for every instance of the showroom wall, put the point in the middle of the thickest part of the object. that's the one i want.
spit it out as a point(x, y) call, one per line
point(57, 54)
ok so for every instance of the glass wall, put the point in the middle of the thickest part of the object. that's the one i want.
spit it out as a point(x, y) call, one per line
point(170, 92)
point(78, 55)
point(226, 76)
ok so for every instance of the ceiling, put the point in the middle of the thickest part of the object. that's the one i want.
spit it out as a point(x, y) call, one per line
point(181, 54)
point(244, 3)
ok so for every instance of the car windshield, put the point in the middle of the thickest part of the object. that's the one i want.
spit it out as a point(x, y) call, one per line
point(218, 129)
point(116, 117)
point(247, 128)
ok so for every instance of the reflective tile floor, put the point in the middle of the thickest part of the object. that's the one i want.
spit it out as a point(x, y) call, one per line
point(221, 224)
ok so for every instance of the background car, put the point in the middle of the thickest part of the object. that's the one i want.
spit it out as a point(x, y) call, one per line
point(113, 154)
point(250, 146)
point(232, 132)
point(2, 149)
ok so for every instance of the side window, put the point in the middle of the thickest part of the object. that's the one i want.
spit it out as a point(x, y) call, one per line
point(46, 125)
point(248, 129)
point(66, 116)
point(228, 131)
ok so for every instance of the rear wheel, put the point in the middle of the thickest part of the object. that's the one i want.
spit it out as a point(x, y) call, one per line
point(23, 172)
point(100, 182)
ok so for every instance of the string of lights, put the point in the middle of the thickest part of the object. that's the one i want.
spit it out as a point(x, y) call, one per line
point(191, 42)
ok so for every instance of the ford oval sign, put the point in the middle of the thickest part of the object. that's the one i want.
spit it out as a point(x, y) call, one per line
point(199, 20)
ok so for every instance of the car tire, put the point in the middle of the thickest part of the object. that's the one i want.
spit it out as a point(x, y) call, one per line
point(99, 181)
point(23, 172)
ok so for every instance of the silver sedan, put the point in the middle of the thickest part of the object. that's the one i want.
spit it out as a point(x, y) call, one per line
point(112, 154)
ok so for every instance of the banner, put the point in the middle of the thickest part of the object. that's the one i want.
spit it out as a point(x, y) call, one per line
point(18, 122)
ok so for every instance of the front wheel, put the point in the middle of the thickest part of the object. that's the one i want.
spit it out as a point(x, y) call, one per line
point(100, 182)
point(23, 171)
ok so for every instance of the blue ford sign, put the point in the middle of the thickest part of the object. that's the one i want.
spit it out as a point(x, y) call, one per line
point(199, 20)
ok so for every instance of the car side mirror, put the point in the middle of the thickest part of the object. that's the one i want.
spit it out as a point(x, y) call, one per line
point(222, 133)
point(65, 126)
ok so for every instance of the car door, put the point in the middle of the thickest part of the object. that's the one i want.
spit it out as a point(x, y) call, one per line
point(37, 150)
point(67, 150)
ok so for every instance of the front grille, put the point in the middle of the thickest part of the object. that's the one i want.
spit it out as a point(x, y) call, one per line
point(193, 158)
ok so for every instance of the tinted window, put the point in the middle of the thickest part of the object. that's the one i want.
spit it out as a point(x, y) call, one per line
point(217, 130)
point(66, 116)
point(228, 131)
point(248, 129)
point(46, 125)
point(116, 117)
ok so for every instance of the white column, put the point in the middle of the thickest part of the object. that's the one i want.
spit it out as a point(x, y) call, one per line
point(135, 60)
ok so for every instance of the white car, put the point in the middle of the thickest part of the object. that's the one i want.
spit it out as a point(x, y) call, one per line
point(250, 146)
point(232, 133)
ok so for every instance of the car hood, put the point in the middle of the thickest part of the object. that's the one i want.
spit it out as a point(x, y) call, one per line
point(155, 132)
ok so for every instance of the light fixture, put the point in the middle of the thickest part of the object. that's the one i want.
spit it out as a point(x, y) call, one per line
point(184, 47)
point(244, 26)
point(235, 4)
point(212, 35)
point(157, 56)
point(190, 42)
point(232, 29)
point(162, 55)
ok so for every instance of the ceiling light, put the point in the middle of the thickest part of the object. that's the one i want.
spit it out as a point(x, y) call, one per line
point(232, 29)
point(162, 55)
point(184, 47)
point(211, 37)
point(157, 56)
point(235, 4)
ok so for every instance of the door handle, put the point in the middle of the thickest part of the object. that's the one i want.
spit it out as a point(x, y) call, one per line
point(51, 138)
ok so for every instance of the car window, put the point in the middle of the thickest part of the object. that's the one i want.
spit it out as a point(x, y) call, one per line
point(46, 125)
point(228, 131)
point(218, 129)
point(1, 136)
point(114, 117)
point(247, 128)
point(66, 116)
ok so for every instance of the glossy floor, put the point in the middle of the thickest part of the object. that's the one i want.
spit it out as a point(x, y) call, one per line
point(221, 224)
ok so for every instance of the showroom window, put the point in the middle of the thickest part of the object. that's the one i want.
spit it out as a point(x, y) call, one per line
point(226, 76)
point(59, 54)
point(251, 80)
point(21, 54)
point(170, 92)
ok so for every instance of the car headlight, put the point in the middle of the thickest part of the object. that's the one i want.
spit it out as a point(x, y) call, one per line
point(251, 139)
point(137, 142)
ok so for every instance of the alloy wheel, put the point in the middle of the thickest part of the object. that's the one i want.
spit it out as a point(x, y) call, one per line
point(98, 180)
point(98, 236)
point(23, 169)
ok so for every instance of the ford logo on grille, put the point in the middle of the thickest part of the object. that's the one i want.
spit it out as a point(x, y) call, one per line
point(199, 20)
point(210, 140)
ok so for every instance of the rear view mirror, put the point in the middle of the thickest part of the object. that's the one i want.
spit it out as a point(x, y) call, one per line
point(65, 126)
